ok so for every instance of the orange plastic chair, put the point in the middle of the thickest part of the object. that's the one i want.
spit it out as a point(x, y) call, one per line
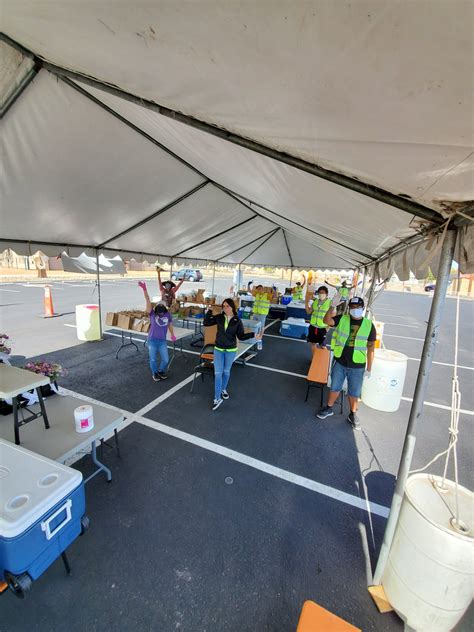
point(314, 618)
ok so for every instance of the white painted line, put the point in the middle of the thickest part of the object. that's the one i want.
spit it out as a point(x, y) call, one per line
point(442, 406)
point(402, 325)
point(272, 470)
point(460, 366)
point(406, 337)
point(268, 368)
point(256, 464)
point(43, 285)
point(68, 325)
point(4, 290)
point(164, 396)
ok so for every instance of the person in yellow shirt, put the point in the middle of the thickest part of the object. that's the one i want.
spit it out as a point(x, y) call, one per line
point(261, 307)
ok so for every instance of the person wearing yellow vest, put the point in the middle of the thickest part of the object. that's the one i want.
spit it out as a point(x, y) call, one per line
point(317, 327)
point(353, 344)
point(343, 290)
point(261, 307)
point(297, 291)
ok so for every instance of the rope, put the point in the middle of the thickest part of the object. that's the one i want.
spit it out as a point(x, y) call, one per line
point(455, 412)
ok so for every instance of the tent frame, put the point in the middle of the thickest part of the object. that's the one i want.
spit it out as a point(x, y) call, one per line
point(395, 200)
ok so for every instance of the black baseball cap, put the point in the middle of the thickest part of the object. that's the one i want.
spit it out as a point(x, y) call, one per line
point(357, 300)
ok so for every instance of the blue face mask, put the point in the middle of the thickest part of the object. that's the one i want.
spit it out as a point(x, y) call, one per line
point(356, 312)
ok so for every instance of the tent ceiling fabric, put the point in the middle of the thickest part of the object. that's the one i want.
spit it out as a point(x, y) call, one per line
point(94, 181)
point(313, 97)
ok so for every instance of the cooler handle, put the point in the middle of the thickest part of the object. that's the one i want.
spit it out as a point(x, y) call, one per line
point(45, 524)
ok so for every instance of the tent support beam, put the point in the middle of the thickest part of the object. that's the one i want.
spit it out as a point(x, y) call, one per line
point(287, 246)
point(155, 214)
point(27, 79)
point(223, 232)
point(138, 130)
point(245, 245)
point(101, 333)
point(260, 245)
point(213, 278)
point(431, 338)
point(237, 197)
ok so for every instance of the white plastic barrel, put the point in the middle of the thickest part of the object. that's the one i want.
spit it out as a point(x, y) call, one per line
point(383, 388)
point(429, 576)
point(87, 321)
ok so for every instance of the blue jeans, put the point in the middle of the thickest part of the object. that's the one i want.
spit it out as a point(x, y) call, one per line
point(222, 364)
point(155, 347)
point(354, 379)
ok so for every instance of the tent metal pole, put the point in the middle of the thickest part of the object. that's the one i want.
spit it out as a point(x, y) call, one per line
point(213, 277)
point(291, 275)
point(370, 295)
point(171, 268)
point(431, 338)
point(98, 293)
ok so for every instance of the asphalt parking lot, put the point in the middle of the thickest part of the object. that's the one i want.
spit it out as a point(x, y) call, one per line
point(173, 544)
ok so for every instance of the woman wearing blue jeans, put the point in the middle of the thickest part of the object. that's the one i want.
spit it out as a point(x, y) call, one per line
point(229, 328)
point(160, 324)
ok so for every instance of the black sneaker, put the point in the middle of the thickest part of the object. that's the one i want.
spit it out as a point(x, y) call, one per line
point(326, 411)
point(156, 377)
point(162, 375)
point(216, 404)
point(225, 395)
point(354, 421)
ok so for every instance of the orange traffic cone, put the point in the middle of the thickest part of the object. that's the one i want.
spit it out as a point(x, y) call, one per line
point(48, 303)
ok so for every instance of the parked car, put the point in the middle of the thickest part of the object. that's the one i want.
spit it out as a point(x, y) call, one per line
point(188, 274)
point(430, 287)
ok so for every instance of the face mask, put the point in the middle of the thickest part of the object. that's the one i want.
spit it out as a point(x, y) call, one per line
point(322, 297)
point(357, 312)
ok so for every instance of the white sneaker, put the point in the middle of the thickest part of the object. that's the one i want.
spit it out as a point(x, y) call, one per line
point(216, 404)
point(225, 395)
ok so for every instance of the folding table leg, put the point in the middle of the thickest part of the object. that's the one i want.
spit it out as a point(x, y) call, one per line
point(67, 566)
point(15, 420)
point(43, 409)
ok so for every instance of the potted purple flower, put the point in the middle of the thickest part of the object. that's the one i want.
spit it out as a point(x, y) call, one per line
point(53, 370)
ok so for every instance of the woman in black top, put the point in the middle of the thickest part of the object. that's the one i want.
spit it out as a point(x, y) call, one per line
point(229, 328)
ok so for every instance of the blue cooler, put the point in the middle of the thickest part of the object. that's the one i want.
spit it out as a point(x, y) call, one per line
point(41, 513)
point(297, 310)
point(294, 328)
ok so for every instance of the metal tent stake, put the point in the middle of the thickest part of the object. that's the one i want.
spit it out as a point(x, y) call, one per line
point(431, 338)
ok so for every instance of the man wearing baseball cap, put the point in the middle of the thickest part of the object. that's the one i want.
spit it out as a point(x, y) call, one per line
point(353, 344)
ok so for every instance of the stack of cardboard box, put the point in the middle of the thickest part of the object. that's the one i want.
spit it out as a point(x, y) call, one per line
point(133, 319)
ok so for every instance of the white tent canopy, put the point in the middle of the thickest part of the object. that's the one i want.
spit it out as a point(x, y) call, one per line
point(90, 160)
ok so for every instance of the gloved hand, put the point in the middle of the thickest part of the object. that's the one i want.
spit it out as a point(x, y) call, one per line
point(173, 338)
point(366, 373)
point(142, 284)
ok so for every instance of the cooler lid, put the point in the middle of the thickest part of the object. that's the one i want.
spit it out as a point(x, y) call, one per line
point(30, 484)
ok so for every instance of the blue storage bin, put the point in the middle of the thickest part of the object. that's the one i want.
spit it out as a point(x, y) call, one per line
point(42, 511)
point(286, 300)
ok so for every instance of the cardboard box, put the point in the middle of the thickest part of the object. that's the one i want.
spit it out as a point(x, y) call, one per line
point(124, 321)
point(137, 324)
point(111, 319)
point(146, 325)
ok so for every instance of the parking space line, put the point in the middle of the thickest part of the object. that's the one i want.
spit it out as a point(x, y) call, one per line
point(165, 395)
point(402, 325)
point(290, 477)
point(442, 406)
point(460, 366)
point(4, 290)
point(296, 479)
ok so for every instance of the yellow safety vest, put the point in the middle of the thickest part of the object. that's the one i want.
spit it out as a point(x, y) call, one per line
point(343, 292)
point(261, 304)
point(297, 294)
point(319, 312)
point(341, 335)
